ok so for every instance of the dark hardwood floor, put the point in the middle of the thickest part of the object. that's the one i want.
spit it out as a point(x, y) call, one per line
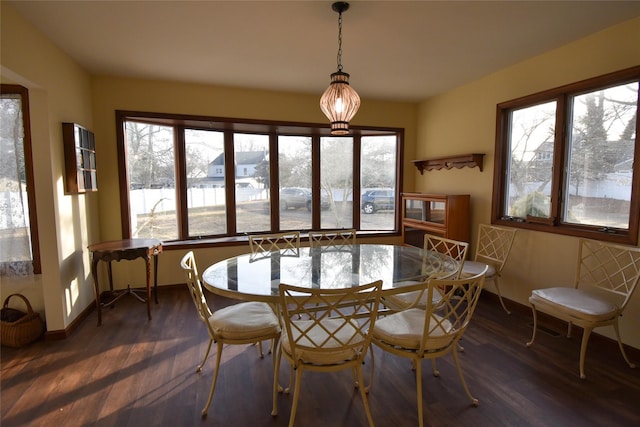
point(134, 372)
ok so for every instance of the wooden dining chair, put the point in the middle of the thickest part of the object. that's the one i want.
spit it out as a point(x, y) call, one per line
point(432, 267)
point(242, 323)
point(607, 276)
point(326, 330)
point(434, 331)
point(341, 239)
point(492, 250)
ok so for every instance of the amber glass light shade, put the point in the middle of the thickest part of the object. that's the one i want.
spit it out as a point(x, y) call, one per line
point(340, 102)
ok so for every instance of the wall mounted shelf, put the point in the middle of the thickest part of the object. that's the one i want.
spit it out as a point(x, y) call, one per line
point(470, 160)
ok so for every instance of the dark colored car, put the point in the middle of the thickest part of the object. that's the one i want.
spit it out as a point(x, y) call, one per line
point(299, 198)
point(375, 200)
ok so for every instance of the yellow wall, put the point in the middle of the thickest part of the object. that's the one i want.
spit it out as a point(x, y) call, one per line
point(59, 91)
point(463, 121)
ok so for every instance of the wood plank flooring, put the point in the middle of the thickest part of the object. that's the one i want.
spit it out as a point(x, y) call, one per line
point(134, 372)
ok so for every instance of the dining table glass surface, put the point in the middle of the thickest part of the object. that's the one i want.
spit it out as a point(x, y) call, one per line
point(256, 277)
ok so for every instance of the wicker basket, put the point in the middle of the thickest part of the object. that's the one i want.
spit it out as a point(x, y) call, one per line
point(17, 327)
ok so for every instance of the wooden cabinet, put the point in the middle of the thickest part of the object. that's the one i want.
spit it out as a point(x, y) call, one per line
point(437, 214)
point(79, 159)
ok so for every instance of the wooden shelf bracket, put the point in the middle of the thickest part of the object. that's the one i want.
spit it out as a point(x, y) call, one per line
point(458, 162)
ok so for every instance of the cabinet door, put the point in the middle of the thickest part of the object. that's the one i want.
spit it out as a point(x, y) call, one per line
point(80, 159)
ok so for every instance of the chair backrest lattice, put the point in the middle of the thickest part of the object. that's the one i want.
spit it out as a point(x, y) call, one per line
point(333, 239)
point(188, 264)
point(288, 243)
point(609, 267)
point(335, 322)
point(494, 245)
point(450, 306)
point(451, 249)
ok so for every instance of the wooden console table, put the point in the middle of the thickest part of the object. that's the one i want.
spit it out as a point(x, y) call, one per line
point(128, 249)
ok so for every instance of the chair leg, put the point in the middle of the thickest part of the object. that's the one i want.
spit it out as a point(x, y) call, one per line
point(371, 371)
point(583, 350)
point(363, 393)
point(296, 394)
point(276, 379)
point(434, 368)
point(631, 365)
point(215, 378)
point(418, 365)
point(206, 354)
point(464, 383)
point(259, 345)
point(569, 325)
point(356, 380)
point(495, 281)
point(287, 389)
point(535, 326)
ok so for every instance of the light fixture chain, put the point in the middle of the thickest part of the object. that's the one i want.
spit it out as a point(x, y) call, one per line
point(340, 41)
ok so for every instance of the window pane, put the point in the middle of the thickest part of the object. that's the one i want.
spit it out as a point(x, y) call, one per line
point(378, 169)
point(152, 195)
point(252, 182)
point(530, 164)
point(206, 202)
point(15, 243)
point(294, 164)
point(336, 179)
point(602, 138)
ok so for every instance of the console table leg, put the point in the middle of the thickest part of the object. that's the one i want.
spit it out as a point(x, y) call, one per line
point(94, 273)
point(155, 277)
point(148, 262)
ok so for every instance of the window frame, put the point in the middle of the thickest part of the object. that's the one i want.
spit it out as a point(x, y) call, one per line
point(12, 89)
point(554, 224)
point(274, 129)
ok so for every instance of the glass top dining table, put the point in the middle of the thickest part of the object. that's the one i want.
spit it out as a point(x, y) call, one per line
point(256, 277)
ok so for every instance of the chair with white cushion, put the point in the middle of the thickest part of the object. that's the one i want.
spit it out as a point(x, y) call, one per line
point(492, 250)
point(333, 239)
point(243, 323)
point(434, 331)
point(431, 267)
point(326, 330)
point(607, 275)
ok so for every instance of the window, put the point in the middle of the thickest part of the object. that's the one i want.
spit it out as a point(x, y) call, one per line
point(19, 250)
point(565, 160)
point(185, 177)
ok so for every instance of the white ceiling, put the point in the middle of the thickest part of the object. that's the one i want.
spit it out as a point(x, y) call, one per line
point(394, 50)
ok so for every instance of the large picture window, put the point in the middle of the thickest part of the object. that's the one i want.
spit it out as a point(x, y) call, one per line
point(184, 177)
point(19, 249)
point(566, 160)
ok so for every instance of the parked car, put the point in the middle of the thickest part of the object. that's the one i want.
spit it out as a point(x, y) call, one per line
point(299, 198)
point(375, 200)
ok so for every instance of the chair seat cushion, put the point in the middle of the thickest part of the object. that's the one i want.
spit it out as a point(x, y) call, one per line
point(244, 321)
point(472, 268)
point(574, 302)
point(407, 299)
point(332, 352)
point(405, 329)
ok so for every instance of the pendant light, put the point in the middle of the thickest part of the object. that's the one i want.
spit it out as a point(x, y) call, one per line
point(340, 102)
